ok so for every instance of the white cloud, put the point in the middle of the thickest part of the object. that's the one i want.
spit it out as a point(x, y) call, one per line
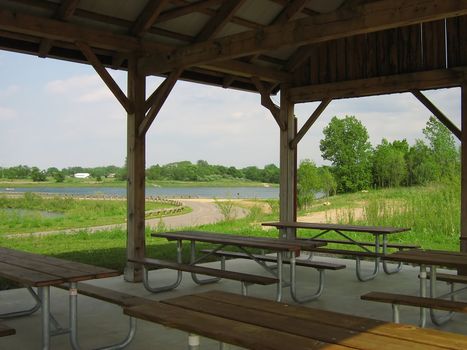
point(97, 95)
point(9, 91)
point(7, 113)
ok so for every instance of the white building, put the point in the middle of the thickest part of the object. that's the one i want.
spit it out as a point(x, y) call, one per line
point(82, 175)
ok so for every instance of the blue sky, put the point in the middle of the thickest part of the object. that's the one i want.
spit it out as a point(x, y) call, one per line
point(55, 113)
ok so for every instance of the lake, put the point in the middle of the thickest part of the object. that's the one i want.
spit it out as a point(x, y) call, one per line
point(186, 192)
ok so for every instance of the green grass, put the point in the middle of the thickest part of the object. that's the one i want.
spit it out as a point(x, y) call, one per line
point(432, 213)
point(68, 212)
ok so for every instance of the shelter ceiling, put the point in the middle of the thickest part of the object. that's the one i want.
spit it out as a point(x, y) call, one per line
point(224, 43)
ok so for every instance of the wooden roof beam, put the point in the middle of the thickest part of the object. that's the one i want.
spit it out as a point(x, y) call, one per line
point(147, 17)
point(364, 18)
point(308, 124)
point(390, 84)
point(223, 16)
point(437, 113)
point(185, 10)
point(268, 103)
point(64, 12)
point(157, 99)
point(105, 76)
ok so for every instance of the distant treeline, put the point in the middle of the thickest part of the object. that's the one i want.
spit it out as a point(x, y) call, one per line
point(178, 171)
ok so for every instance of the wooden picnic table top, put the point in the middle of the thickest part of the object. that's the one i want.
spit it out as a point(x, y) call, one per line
point(39, 270)
point(256, 323)
point(241, 241)
point(430, 257)
point(338, 227)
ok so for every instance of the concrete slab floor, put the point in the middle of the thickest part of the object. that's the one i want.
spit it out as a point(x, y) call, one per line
point(101, 323)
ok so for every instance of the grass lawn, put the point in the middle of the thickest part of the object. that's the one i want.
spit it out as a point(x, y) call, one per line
point(35, 213)
point(431, 212)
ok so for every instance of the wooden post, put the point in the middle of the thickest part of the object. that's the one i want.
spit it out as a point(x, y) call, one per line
point(136, 154)
point(288, 165)
point(463, 237)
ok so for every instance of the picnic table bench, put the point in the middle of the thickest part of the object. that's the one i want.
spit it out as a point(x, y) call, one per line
point(242, 243)
point(379, 246)
point(42, 272)
point(433, 259)
point(260, 324)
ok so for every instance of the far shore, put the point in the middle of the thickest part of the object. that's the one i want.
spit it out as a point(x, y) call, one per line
point(122, 184)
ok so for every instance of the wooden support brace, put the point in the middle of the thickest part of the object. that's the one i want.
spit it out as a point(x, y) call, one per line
point(437, 113)
point(268, 103)
point(322, 106)
point(155, 102)
point(105, 76)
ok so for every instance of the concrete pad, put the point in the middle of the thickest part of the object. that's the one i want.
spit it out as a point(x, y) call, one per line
point(101, 323)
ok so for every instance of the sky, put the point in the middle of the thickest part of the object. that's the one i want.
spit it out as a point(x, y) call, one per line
point(60, 114)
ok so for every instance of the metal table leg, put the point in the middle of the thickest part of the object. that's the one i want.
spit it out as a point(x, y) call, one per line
point(371, 276)
point(439, 321)
point(279, 277)
point(169, 286)
point(26, 312)
point(44, 294)
point(385, 250)
point(423, 311)
point(192, 261)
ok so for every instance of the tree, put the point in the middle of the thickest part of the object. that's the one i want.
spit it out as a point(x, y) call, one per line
point(59, 176)
point(308, 183)
point(421, 166)
point(38, 175)
point(389, 166)
point(346, 145)
point(443, 148)
point(328, 183)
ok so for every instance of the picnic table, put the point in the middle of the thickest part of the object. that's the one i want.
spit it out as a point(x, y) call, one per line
point(42, 272)
point(255, 323)
point(376, 249)
point(433, 259)
point(243, 243)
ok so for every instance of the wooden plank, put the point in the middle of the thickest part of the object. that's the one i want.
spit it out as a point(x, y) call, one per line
point(222, 17)
point(136, 160)
point(97, 271)
point(367, 244)
point(428, 258)
point(202, 270)
point(105, 76)
point(453, 42)
point(463, 43)
point(107, 295)
point(463, 218)
point(27, 277)
point(222, 329)
point(364, 18)
point(333, 334)
point(356, 323)
point(339, 227)
point(341, 60)
point(267, 102)
point(442, 78)
point(245, 241)
point(148, 16)
point(309, 123)
point(434, 45)
point(410, 300)
point(437, 113)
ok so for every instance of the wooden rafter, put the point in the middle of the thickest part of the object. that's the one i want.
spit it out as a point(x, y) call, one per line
point(64, 11)
point(268, 103)
point(69, 32)
point(105, 76)
point(308, 124)
point(157, 99)
point(437, 113)
point(284, 16)
point(187, 9)
point(147, 17)
point(222, 17)
point(365, 18)
point(426, 80)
